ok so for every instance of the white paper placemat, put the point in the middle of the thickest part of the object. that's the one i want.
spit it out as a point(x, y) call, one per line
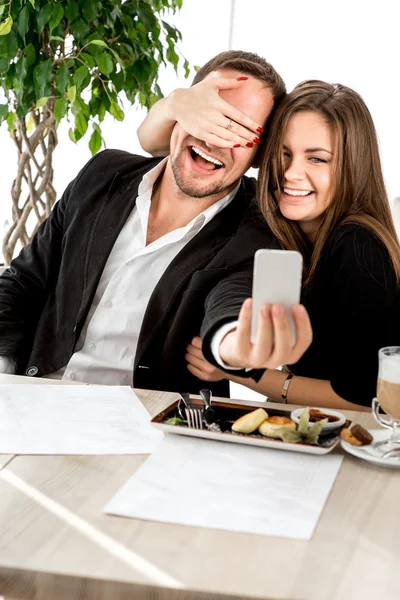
point(203, 483)
point(56, 419)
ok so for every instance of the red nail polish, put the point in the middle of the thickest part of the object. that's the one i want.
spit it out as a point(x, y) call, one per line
point(249, 144)
point(256, 140)
point(236, 146)
point(242, 78)
point(260, 130)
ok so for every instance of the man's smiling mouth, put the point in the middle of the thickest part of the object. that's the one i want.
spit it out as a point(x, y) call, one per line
point(196, 152)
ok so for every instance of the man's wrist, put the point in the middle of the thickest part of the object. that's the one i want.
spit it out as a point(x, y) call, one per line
point(217, 340)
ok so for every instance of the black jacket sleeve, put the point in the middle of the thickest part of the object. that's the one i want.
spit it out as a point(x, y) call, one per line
point(25, 285)
point(222, 306)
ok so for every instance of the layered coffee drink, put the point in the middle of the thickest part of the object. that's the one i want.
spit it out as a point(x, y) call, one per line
point(388, 388)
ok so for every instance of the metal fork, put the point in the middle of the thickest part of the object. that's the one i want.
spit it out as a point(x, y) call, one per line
point(193, 416)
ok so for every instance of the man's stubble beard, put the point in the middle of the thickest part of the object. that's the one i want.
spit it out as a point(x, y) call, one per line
point(193, 190)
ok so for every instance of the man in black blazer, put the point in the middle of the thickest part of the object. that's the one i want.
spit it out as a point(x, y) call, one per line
point(136, 258)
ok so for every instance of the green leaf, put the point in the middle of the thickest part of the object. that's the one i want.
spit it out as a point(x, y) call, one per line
point(5, 26)
point(89, 10)
point(41, 102)
point(57, 14)
point(80, 106)
point(8, 50)
point(105, 63)
point(11, 118)
point(80, 75)
point(95, 141)
point(303, 421)
point(3, 111)
point(289, 435)
point(146, 16)
point(314, 431)
point(186, 67)
point(98, 43)
point(44, 16)
point(81, 123)
point(118, 59)
point(71, 93)
point(71, 10)
point(62, 77)
point(175, 421)
point(72, 135)
point(117, 111)
point(30, 54)
point(56, 38)
point(79, 28)
point(21, 70)
point(60, 109)
point(171, 55)
point(142, 99)
point(171, 31)
point(32, 2)
point(23, 22)
point(88, 59)
point(42, 76)
point(101, 112)
point(30, 124)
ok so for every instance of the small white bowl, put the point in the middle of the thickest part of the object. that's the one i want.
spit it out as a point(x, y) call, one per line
point(296, 414)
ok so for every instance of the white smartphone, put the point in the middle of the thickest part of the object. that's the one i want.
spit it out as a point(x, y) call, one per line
point(276, 280)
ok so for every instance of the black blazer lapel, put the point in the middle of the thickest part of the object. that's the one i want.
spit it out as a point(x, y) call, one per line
point(112, 215)
point(193, 268)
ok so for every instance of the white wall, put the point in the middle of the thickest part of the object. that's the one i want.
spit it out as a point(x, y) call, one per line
point(354, 42)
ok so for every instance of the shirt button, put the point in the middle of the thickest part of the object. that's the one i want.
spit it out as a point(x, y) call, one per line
point(108, 304)
point(92, 346)
point(129, 262)
point(72, 376)
point(32, 371)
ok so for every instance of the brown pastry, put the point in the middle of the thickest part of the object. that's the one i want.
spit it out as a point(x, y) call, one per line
point(270, 427)
point(362, 434)
point(347, 436)
point(250, 421)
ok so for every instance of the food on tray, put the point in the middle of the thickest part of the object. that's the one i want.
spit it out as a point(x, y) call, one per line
point(362, 434)
point(317, 415)
point(273, 426)
point(347, 436)
point(356, 436)
point(303, 434)
point(250, 422)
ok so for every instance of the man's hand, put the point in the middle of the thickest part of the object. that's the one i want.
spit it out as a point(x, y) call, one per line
point(198, 365)
point(204, 114)
point(273, 346)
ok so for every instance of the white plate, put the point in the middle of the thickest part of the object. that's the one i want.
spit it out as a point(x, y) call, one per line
point(296, 414)
point(369, 453)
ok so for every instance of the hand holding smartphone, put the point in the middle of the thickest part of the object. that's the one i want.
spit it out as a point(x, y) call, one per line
point(276, 280)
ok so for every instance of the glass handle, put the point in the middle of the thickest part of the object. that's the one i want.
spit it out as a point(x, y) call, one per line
point(377, 416)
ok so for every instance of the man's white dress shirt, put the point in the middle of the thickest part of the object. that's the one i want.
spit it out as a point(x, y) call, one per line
point(106, 348)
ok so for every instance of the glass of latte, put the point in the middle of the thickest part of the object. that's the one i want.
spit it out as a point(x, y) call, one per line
point(388, 392)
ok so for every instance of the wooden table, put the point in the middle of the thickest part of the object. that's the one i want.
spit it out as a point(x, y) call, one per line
point(56, 543)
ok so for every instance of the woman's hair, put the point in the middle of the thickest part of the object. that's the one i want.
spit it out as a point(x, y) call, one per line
point(358, 191)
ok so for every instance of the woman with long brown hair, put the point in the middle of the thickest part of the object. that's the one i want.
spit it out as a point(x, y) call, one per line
point(321, 191)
